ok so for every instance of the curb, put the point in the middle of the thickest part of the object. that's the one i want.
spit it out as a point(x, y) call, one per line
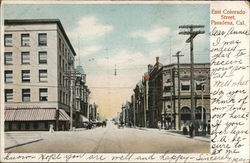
point(17, 145)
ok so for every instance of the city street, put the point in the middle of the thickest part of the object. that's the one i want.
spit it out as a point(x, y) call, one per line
point(110, 140)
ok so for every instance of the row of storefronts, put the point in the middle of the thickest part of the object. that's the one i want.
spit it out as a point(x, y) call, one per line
point(162, 97)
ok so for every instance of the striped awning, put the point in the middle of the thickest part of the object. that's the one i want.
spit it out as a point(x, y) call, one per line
point(84, 119)
point(199, 82)
point(167, 84)
point(34, 114)
point(63, 116)
point(185, 82)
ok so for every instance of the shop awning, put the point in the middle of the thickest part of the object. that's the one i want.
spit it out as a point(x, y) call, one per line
point(185, 83)
point(34, 114)
point(199, 82)
point(63, 116)
point(83, 118)
point(167, 84)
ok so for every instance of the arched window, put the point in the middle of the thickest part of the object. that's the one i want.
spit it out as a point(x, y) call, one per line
point(185, 113)
point(198, 113)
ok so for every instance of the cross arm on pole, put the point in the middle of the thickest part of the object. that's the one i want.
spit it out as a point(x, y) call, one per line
point(191, 26)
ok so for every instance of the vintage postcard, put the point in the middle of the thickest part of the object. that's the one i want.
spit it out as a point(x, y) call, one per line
point(124, 81)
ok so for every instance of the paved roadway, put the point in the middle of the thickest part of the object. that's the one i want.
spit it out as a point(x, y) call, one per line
point(112, 140)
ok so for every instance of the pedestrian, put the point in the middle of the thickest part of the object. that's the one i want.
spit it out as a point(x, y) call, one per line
point(122, 124)
point(208, 127)
point(51, 128)
point(159, 125)
point(196, 128)
point(191, 129)
point(204, 128)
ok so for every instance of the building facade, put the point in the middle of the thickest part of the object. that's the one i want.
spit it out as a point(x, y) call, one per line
point(93, 112)
point(164, 98)
point(174, 117)
point(155, 93)
point(37, 57)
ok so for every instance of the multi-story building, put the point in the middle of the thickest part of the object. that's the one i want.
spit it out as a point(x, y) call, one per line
point(173, 116)
point(157, 99)
point(125, 113)
point(145, 97)
point(92, 111)
point(155, 93)
point(81, 97)
point(37, 56)
point(139, 104)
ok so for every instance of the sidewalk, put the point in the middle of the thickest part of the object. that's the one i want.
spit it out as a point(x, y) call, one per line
point(177, 133)
point(15, 139)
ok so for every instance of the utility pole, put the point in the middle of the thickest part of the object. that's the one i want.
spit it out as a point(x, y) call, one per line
point(202, 94)
point(115, 73)
point(179, 92)
point(71, 76)
point(192, 34)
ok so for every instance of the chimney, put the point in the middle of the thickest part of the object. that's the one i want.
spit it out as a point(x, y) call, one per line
point(150, 67)
point(157, 59)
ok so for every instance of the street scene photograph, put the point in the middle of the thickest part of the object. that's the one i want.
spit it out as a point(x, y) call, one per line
point(106, 78)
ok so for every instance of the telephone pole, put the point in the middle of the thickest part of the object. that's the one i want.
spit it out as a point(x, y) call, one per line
point(179, 92)
point(192, 34)
point(71, 75)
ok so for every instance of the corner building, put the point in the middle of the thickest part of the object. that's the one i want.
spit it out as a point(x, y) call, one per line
point(37, 56)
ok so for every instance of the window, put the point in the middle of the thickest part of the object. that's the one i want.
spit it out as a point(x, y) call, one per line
point(60, 78)
point(43, 94)
point(63, 100)
point(42, 39)
point(200, 85)
point(60, 44)
point(8, 58)
point(60, 58)
point(35, 125)
point(62, 49)
point(43, 75)
point(25, 57)
point(42, 57)
point(60, 96)
point(78, 104)
point(63, 64)
point(8, 93)
point(25, 39)
point(185, 85)
point(8, 40)
point(8, 76)
point(26, 95)
point(25, 75)
point(27, 125)
point(66, 99)
point(167, 86)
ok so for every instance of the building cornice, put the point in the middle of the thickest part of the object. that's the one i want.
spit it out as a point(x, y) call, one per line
point(41, 21)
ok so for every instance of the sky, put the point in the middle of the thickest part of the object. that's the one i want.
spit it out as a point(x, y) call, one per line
point(125, 36)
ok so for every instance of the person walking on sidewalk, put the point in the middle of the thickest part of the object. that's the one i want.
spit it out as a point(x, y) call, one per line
point(51, 128)
point(159, 125)
point(191, 129)
point(204, 129)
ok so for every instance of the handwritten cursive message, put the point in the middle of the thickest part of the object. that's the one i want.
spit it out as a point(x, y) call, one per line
point(229, 83)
